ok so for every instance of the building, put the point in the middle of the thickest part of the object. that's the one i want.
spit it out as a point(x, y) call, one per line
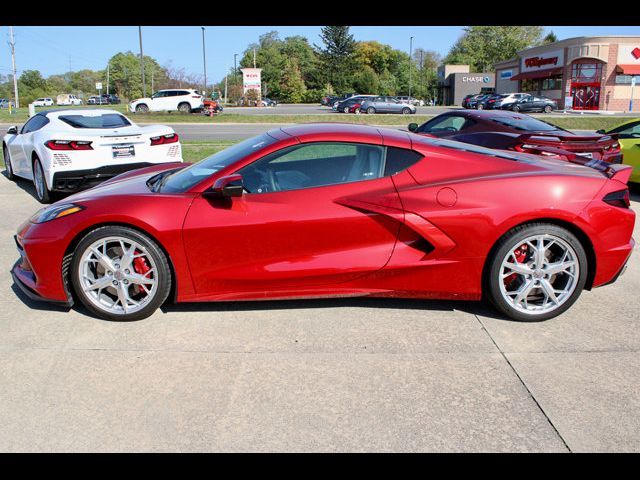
point(455, 82)
point(581, 73)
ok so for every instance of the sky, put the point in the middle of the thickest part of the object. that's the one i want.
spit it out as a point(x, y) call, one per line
point(54, 50)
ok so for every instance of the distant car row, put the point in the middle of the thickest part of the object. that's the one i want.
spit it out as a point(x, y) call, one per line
point(373, 104)
point(338, 102)
point(517, 102)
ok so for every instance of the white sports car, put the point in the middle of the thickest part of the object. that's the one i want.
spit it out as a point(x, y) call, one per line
point(70, 150)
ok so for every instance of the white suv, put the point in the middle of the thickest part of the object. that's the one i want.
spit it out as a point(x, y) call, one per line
point(183, 100)
point(43, 102)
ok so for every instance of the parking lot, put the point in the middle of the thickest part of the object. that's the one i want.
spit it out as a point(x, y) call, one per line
point(317, 375)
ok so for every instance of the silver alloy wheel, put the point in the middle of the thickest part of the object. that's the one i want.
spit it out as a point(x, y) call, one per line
point(7, 162)
point(539, 274)
point(109, 276)
point(38, 179)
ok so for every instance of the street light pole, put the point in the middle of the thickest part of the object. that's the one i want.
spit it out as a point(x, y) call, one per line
point(204, 60)
point(12, 44)
point(144, 84)
point(410, 62)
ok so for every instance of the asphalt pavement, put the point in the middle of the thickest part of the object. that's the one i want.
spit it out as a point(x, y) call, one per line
point(316, 375)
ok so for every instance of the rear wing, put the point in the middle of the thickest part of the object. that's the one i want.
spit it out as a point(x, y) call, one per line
point(599, 138)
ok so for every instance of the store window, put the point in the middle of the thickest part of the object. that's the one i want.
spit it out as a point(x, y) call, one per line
point(586, 72)
point(542, 84)
point(626, 79)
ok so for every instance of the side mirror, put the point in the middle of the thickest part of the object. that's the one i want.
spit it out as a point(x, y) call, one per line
point(413, 127)
point(13, 130)
point(601, 131)
point(229, 186)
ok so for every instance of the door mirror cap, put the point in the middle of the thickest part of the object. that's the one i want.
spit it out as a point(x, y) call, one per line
point(13, 130)
point(229, 186)
point(413, 127)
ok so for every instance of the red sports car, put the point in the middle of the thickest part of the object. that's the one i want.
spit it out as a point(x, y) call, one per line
point(324, 210)
point(506, 130)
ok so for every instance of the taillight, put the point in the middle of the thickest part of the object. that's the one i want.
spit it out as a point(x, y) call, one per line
point(618, 199)
point(196, 96)
point(164, 139)
point(68, 145)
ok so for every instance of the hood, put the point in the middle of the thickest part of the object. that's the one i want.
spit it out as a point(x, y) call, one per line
point(128, 183)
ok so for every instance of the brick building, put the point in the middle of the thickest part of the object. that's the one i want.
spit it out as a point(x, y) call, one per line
point(581, 73)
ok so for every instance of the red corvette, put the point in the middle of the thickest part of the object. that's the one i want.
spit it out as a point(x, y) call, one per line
point(335, 210)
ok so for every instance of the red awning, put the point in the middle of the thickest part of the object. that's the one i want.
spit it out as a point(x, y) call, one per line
point(629, 69)
point(550, 72)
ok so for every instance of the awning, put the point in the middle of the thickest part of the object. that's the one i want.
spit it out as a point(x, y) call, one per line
point(549, 72)
point(628, 69)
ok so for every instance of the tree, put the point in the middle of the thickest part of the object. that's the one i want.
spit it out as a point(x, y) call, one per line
point(339, 48)
point(483, 46)
point(292, 86)
point(125, 76)
point(549, 38)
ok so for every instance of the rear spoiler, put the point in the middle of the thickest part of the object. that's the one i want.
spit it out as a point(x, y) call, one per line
point(568, 138)
point(618, 172)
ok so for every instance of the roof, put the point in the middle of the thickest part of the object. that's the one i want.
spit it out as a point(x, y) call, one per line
point(344, 132)
point(56, 112)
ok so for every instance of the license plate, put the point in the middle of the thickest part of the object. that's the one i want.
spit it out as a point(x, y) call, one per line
point(585, 154)
point(123, 151)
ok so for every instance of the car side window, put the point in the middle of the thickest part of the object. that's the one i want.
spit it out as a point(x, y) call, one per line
point(451, 123)
point(628, 131)
point(35, 123)
point(314, 165)
point(399, 159)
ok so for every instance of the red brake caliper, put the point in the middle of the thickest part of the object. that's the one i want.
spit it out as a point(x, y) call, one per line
point(141, 267)
point(520, 254)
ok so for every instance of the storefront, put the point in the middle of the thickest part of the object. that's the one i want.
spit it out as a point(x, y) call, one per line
point(583, 73)
point(456, 81)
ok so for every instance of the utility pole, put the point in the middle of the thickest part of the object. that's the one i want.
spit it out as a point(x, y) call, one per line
point(204, 61)
point(410, 62)
point(225, 88)
point(12, 44)
point(254, 57)
point(107, 78)
point(144, 84)
point(235, 68)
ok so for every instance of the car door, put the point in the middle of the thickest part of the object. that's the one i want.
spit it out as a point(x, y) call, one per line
point(629, 138)
point(20, 146)
point(158, 100)
point(310, 217)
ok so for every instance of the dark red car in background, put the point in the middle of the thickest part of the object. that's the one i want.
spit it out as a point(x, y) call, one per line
point(506, 130)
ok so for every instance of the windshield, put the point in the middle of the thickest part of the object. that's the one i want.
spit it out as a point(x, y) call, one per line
point(108, 120)
point(525, 123)
point(184, 179)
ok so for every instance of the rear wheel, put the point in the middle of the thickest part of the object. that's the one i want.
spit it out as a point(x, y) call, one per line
point(184, 107)
point(43, 194)
point(515, 108)
point(345, 109)
point(120, 274)
point(479, 106)
point(7, 164)
point(142, 108)
point(536, 272)
point(547, 109)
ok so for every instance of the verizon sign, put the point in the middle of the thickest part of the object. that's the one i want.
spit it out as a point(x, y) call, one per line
point(543, 61)
point(251, 79)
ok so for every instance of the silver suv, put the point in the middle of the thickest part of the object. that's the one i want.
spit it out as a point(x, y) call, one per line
point(386, 105)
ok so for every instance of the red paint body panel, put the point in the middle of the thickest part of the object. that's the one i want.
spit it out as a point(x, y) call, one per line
point(424, 232)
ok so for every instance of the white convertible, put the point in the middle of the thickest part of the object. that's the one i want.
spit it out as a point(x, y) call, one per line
point(70, 150)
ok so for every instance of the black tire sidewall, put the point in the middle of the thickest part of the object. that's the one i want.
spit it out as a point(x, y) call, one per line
point(505, 244)
point(142, 108)
point(7, 163)
point(371, 110)
point(46, 194)
point(181, 108)
point(162, 264)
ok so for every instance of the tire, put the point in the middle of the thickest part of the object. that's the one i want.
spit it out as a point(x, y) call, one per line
point(142, 108)
point(504, 286)
point(357, 111)
point(154, 261)
point(547, 109)
point(43, 194)
point(345, 109)
point(371, 110)
point(479, 106)
point(184, 107)
point(515, 108)
point(7, 163)
point(406, 111)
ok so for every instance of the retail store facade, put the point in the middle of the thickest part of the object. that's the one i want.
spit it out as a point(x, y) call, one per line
point(582, 73)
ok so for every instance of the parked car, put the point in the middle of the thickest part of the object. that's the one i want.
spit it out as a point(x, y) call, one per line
point(183, 100)
point(267, 102)
point(348, 105)
point(410, 100)
point(332, 101)
point(628, 134)
point(386, 213)
point(43, 102)
point(110, 98)
point(486, 101)
point(467, 98)
point(97, 100)
point(531, 103)
point(69, 150)
point(506, 100)
point(5, 103)
point(472, 103)
point(386, 105)
point(67, 99)
point(515, 131)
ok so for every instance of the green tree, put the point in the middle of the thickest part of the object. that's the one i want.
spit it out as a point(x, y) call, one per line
point(125, 77)
point(335, 57)
point(292, 87)
point(549, 38)
point(483, 46)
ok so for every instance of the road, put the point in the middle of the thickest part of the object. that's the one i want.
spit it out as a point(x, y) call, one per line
point(316, 375)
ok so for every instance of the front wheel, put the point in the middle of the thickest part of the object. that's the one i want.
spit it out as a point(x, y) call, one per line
point(547, 109)
point(479, 106)
point(371, 110)
point(406, 111)
point(43, 194)
point(536, 272)
point(7, 164)
point(120, 274)
point(515, 108)
point(142, 108)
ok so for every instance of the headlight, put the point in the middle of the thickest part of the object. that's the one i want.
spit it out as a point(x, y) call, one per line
point(55, 211)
